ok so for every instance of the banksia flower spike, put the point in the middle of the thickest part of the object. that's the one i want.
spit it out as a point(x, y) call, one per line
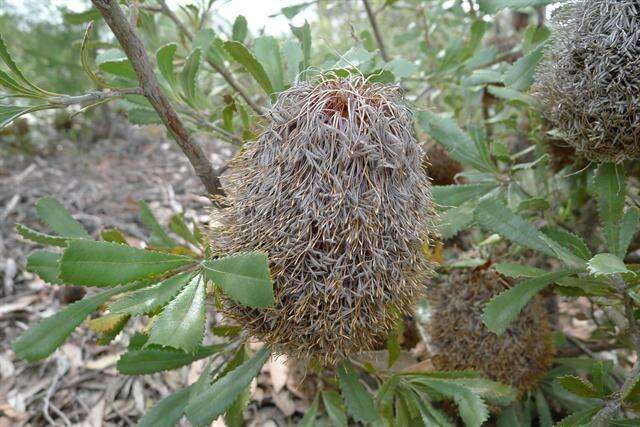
point(589, 83)
point(458, 339)
point(334, 191)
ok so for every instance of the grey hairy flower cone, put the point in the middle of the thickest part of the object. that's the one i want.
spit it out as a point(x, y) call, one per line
point(589, 82)
point(334, 191)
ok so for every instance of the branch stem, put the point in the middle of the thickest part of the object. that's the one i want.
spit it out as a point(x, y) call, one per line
point(135, 51)
point(376, 30)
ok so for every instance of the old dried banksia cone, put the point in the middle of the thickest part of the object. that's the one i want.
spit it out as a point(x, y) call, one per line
point(589, 83)
point(334, 191)
point(458, 339)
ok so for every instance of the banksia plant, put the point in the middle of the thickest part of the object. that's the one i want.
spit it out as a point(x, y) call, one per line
point(588, 83)
point(334, 191)
point(459, 340)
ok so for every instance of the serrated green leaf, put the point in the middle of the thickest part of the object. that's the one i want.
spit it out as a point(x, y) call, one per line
point(544, 412)
point(178, 226)
point(206, 406)
point(113, 235)
point(44, 337)
point(578, 386)
point(358, 400)
point(452, 221)
point(120, 67)
point(244, 277)
point(46, 265)
point(267, 51)
point(386, 395)
point(7, 59)
point(164, 59)
point(512, 95)
point(188, 76)
point(292, 53)
point(580, 418)
point(628, 229)
point(631, 422)
point(181, 323)
point(109, 335)
point(502, 309)
point(14, 87)
point(569, 240)
point(610, 187)
point(38, 237)
point(91, 263)
point(245, 58)
point(58, 218)
point(303, 34)
point(291, 11)
point(8, 113)
point(309, 418)
point(520, 75)
point(563, 254)
point(159, 238)
point(455, 195)
point(334, 406)
point(497, 218)
point(240, 30)
point(605, 265)
point(168, 411)
point(517, 270)
point(473, 410)
point(150, 360)
point(233, 417)
point(446, 132)
point(150, 299)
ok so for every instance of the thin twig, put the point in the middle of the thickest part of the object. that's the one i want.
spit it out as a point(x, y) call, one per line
point(181, 27)
point(135, 51)
point(218, 68)
point(376, 30)
point(68, 100)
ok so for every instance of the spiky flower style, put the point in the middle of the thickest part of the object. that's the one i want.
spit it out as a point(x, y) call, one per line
point(589, 83)
point(458, 339)
point(334, 192)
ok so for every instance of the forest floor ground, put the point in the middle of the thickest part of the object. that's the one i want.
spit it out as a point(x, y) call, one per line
point(100, 183)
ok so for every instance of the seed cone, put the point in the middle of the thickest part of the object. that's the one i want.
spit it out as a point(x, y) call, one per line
point(458, 340)
point(589, 82)
point(334, 191)
point(441, 168)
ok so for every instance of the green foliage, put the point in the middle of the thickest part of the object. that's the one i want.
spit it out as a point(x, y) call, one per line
point(150, 360)
point(91, 263)
point(606, 264)
point(181, 323)
point(46, 265)
point(168, 411)
point(151, 298)
point(43, 338)
point(205, 407)
point(357, 399)
point(245, 58)
point(243, 277)
point(59, 220)
point(505, 307)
